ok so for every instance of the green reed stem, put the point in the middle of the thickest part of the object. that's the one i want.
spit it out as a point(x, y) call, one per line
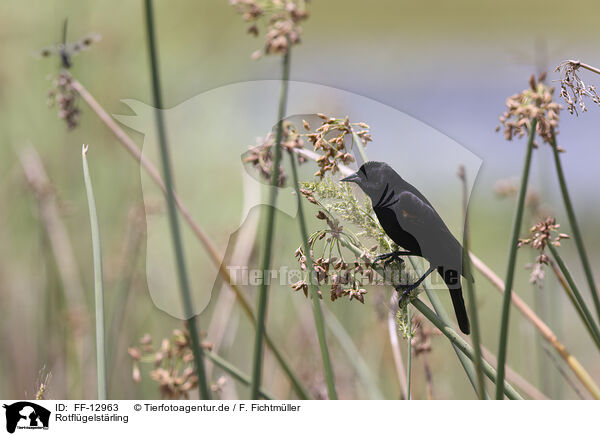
point(269, 232)
point(589, 320)
point(98, 282)
point(235, 372)
point(314, 291)
point(589, 275)
point(173, 218)
point(512, 260)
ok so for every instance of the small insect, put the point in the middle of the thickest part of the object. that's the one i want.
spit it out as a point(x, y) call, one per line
point(65, 50)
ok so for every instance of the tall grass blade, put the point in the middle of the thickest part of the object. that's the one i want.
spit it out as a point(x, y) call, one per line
point(98, 281)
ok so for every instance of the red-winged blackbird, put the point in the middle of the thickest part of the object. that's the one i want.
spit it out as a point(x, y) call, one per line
point(411, 222)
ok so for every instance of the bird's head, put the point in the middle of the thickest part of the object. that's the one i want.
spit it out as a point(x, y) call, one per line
point(372, 178)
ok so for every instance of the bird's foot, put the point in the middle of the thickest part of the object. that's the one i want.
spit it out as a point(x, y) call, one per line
point(404, 292)
point(388, 258)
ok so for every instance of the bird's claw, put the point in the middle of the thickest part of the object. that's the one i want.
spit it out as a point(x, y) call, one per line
point(404, 292)
point(387, 259)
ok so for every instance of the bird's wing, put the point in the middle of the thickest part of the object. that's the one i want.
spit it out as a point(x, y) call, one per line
point(419, 219)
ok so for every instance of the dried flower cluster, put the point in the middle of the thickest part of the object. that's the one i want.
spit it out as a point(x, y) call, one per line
point(65, 97)
point(342, 277)
point(283, 18)
point(532, 103)
point(261, 155)
point(543, 233)
point(173, 362)
point(329, 140)
point(572, 89)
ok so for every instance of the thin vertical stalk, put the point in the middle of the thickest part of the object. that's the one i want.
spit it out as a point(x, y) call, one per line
point(171, 206)
point(589, 275)
point(589, 320)
point(409, 357)
point(512, 259)
point(472, 305)
point(98, 282)
point(314, 292)
point(269, 232)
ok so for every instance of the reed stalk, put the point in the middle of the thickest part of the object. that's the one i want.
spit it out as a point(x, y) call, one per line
point(184, 285)
point(512, 260)
point(263, 289)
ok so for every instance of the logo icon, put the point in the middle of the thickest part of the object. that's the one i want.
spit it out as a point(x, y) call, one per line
point(26, 415)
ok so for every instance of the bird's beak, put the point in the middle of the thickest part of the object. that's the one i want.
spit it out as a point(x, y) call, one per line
point(351, 178)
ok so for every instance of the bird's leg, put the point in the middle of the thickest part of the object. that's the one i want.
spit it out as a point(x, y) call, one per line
point(388, 258)
point(407, 289)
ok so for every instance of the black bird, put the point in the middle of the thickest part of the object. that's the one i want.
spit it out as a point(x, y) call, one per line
point(410, 220)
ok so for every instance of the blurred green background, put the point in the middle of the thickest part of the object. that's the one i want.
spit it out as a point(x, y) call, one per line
point(450, 65)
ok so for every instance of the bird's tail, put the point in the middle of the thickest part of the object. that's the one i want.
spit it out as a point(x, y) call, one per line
point(460, 310)
point(452, 280)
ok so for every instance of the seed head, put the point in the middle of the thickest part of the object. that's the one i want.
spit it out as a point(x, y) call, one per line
point(281, 20)
point(532, 103)
point(572, 89)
